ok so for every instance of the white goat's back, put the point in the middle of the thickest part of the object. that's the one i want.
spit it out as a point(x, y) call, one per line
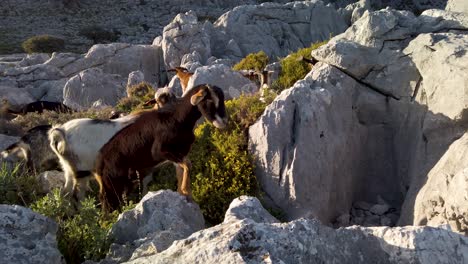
point(85, 137)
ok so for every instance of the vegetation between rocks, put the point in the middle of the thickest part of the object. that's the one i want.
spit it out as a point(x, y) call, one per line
point(293, 68)
point(43, 44)
point(253, 61)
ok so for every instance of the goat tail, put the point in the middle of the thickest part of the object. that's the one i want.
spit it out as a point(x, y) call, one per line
point(57, 140)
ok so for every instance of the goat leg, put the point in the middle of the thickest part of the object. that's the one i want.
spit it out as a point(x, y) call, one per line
point(183, 177)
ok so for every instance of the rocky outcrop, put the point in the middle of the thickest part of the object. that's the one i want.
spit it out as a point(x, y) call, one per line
point(159, 219)
point(370, 120)
point(308, 241)
point(443, 199)
point(6, 141)
point(91, 85)
point(125, 21)
point(457, 6)
point(276, 29)
point(232, 82)
point(50, 180)
point(27, 237)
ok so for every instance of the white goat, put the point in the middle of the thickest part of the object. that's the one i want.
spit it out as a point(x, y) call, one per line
point(77, 143)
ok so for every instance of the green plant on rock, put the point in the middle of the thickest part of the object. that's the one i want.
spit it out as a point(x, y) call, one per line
point(82, 235)
point(17, 186)
point(293, 68)
point(138, 95)
point(253, 61)
point(43, 43)
point(222, 168)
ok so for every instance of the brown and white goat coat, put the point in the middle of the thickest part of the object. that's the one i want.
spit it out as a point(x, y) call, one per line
point(154, 137)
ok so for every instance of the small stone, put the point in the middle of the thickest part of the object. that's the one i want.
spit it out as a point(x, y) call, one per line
point(379, 209)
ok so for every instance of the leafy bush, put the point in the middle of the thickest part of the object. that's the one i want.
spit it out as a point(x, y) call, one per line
point(293, 68)
point(98, 34)
point(139, 94)
point(17, 186)
point(253, 61)
point(222, 168)
point(82, 235)
point(43, 43)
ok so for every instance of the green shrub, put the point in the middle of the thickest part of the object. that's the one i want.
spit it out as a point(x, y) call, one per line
point(139, 94)
point(222, 168)
point(43, 43)
point(83, 235)
point(98, 34)
point(253, 61)
point(293, 68)
point(17, 186)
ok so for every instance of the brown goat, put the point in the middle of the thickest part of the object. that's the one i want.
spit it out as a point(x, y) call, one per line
point(184, 76)
point(154, 137)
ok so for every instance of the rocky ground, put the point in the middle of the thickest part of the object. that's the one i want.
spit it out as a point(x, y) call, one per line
point(372, 142)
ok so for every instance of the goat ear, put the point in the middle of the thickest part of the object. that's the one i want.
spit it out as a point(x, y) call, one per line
point(196, 98)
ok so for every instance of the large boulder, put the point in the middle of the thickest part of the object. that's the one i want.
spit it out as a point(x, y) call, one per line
point(16, 97)
point(372, 121)
point(308, 241)
point(159, 219)
point(443, 199)
point(277, 29)
point(185, 35)
point(315, 144)
point(457, 6)
point(232, 82)
point(91, 85)
point(27, 237)
point(116, 58)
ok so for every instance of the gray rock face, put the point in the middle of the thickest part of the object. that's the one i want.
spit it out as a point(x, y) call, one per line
point(50, 180)
point(305, 131)
point(307, 241)
point(246, 207)
point(443, 199)
point(33, 59)
point(457, 6)
point(135, 77)
point(158, 220)
point(133, 21)
point(27, 237)
point(82, 90)
point(276, 29)
point(185, 35)
point(232, 82)
point(6, 141)
point(377, 112)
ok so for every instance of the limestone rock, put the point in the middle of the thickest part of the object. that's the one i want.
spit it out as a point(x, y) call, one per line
point(16, 97)
point(277, 29)
point(185, 35)
point(135, 77)
point(33, 59)
point(27, 237)
point(246, 207)
point(437, 56)
point(232, 83)
point(91, 85)
point(50, 180)
point(6, 141)
point(301, 135)
point(444, 197)
point(457, 6)
point(119, 58)
point(308, 241)
point(159, 219)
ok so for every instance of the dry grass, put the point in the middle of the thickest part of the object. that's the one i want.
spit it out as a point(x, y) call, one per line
point(31, 120)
